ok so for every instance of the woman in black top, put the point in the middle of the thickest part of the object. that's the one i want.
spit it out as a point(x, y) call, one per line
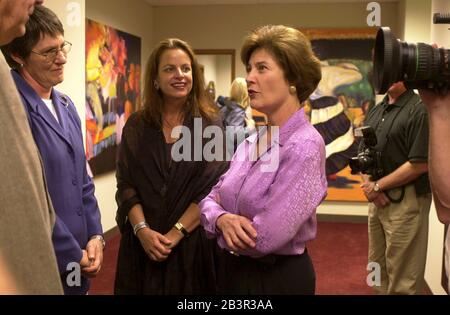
point(161, 177)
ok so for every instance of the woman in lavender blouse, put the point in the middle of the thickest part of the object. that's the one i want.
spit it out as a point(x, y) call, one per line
point(263, 209)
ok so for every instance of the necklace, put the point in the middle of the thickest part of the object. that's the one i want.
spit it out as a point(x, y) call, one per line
point(168, 129)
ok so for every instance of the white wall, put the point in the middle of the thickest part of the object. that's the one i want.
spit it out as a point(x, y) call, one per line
point(217, 69)
point(417, 21)
point(209, 64)
point(343, 208)
point(223, 66)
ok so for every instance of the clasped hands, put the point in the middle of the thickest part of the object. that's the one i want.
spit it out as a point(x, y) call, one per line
point(156, 245)
point(379, 198)
point(238, 231)
point(92, 259)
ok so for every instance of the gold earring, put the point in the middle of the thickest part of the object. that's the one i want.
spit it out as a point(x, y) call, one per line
point(292, 89)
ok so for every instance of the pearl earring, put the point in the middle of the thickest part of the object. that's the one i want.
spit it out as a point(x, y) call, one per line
point(292, 89)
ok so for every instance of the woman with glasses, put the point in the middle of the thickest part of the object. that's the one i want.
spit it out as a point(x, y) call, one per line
point(38, 60)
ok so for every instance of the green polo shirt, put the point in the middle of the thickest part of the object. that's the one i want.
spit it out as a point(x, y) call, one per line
point(402, 134)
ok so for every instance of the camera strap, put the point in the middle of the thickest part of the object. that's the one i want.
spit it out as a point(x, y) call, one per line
point(399, 199)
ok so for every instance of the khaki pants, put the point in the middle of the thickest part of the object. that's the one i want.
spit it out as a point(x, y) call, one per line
point(398, 239)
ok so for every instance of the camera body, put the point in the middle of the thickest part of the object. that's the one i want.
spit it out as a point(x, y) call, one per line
point(368, 160)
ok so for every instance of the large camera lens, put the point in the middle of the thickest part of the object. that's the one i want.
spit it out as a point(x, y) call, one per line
point(417, 65)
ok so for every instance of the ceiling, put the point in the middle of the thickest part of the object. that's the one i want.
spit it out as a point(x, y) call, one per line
point(215, 2)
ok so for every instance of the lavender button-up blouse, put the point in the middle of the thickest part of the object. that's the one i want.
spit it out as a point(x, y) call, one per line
point(281, 202)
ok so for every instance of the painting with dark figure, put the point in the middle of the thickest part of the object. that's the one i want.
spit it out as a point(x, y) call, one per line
point(340, 102)
point(113, 70)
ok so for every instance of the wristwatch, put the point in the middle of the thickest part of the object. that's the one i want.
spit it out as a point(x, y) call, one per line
point(178, 226)
point(376, 188)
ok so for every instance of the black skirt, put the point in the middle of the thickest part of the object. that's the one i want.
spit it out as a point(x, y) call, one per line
point(271, 274)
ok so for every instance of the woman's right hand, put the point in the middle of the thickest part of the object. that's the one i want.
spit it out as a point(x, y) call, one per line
point(155, 244)
point(237, 231)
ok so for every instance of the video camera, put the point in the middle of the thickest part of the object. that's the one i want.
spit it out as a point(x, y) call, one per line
point(419, 66)
point(368, 160)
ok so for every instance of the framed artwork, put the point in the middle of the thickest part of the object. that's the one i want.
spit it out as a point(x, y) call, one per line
point(341, 100)
point(113, 70)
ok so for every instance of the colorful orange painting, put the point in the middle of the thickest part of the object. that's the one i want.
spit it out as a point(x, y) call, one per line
point(113, 70)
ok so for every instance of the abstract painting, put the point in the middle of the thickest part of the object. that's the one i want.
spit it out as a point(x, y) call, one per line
point(341, 100)
point(113, 70)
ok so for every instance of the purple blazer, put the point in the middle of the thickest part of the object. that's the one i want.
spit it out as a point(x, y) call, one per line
point(70, 187)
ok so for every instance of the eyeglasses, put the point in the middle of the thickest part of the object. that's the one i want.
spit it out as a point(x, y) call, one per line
point(53, 53)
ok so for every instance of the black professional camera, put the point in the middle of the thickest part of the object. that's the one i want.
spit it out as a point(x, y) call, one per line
point(368, 160)
point(419, 66)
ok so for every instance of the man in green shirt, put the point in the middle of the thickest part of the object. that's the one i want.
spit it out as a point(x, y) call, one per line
point(400, 200)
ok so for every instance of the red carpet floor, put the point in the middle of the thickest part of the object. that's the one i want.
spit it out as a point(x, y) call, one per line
point(339, 254)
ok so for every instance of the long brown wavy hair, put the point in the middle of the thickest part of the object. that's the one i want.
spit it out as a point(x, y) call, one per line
point(197, 104)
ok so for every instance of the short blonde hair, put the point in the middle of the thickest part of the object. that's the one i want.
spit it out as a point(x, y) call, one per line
point(293, 53)
point(239, 93)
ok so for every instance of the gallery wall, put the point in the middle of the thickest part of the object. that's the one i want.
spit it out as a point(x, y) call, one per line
point(223, 27)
